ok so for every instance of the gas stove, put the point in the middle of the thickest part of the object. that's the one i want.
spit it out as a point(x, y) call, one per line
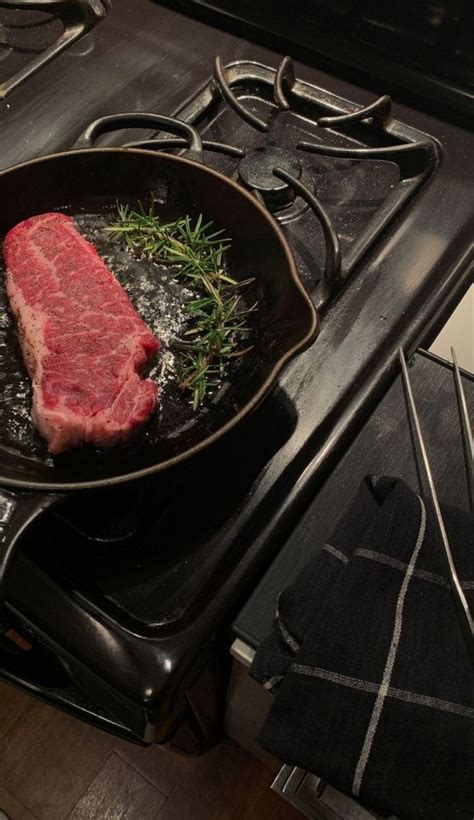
point(123, 599)
point(334, 174)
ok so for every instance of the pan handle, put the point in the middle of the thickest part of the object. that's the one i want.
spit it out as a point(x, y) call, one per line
point(17, 511)
point(170, 125)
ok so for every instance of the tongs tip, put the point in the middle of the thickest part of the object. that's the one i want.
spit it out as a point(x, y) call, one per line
point(461, 605)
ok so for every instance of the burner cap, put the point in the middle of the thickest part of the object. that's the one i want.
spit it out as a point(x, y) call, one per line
point(256, 173)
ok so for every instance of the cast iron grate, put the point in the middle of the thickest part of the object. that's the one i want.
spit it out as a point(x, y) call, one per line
point(33, 32)
point(304, 153)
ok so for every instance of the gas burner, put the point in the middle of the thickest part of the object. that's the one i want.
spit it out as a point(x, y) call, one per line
point(256, 173)
point(262, 125)
point(296, 208)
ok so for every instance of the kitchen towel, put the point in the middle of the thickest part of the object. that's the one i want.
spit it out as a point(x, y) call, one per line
point(374, 688)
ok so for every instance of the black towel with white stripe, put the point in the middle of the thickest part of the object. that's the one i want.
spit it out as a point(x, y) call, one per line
point(374, 687)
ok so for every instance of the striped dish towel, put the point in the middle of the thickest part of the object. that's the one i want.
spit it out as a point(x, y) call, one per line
point(374, 689)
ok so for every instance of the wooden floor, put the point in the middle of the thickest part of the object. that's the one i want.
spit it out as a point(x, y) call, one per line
point(53, 767)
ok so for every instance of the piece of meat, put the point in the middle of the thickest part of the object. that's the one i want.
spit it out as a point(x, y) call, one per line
point(82, 340)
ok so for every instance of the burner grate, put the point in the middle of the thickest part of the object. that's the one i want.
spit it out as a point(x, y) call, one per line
point(305, 154)
point(33, 32)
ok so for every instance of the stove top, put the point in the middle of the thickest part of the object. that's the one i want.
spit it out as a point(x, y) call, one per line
point(133, 608)
point(33, 32)
point(334, 174)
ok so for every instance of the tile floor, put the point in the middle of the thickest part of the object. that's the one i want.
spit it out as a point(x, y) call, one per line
point(54, 767)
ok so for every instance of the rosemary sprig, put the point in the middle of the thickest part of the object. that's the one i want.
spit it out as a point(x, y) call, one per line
point(217, 321)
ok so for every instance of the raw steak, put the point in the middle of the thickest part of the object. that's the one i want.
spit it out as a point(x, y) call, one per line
point(82, 340)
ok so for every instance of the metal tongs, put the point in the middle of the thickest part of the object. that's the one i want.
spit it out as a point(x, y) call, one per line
point(461, 606)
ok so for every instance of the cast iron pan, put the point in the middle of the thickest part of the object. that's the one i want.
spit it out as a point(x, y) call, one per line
point(90, 182)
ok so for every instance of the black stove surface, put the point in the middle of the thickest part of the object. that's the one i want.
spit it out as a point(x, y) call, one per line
point(135, 611)
point(145, 553)
point(32, 34)
point(21, 41)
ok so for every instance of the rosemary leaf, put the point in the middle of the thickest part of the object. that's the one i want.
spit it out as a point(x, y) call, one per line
point(217, 323)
